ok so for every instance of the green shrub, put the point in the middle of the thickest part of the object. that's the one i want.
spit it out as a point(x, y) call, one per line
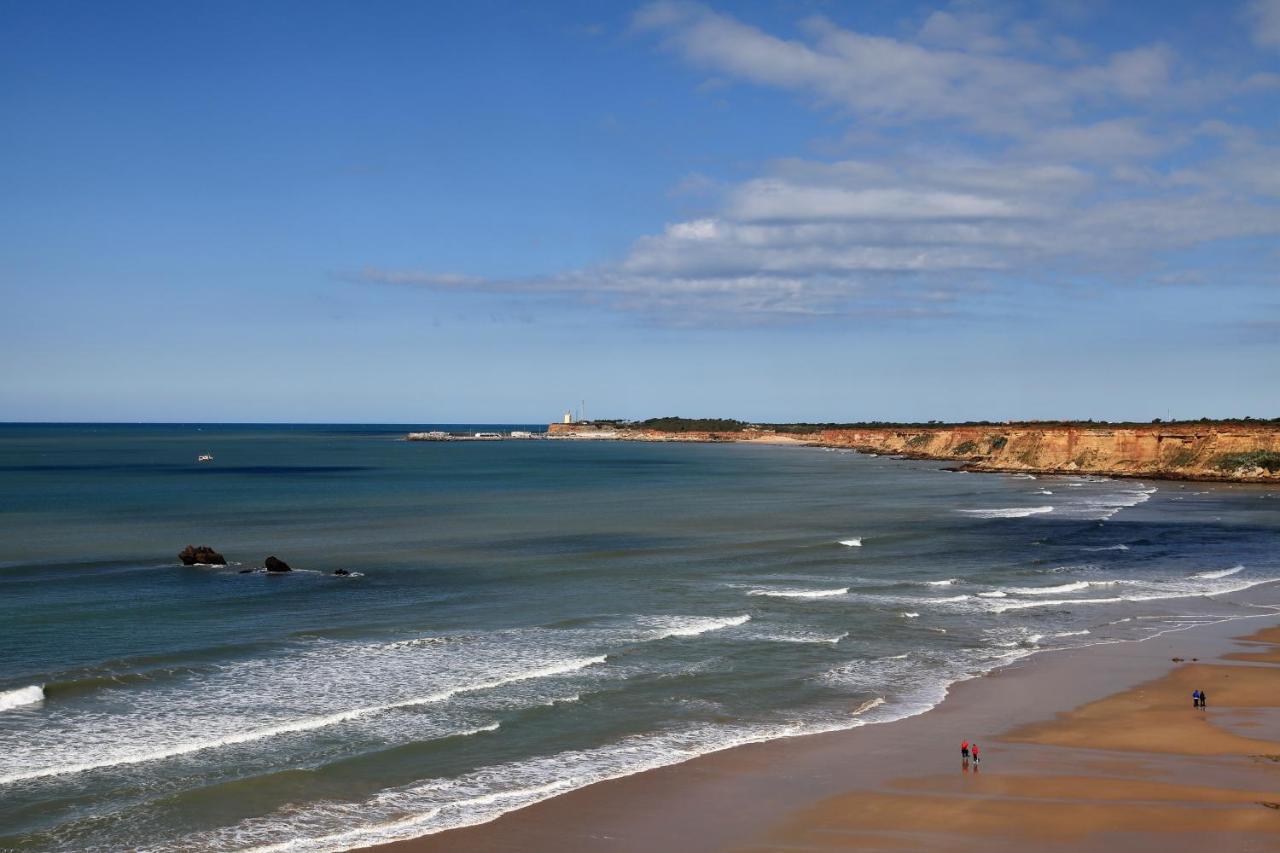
point(998, 442)
point(920, 440)
point(966, 448)
point(693, 425)
point(1268, 459)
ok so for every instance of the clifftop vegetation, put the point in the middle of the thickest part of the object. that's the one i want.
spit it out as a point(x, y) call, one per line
point(679, 424)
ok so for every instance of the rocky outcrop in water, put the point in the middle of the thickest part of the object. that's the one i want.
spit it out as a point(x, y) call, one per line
point(273, 564)
point(201, 554)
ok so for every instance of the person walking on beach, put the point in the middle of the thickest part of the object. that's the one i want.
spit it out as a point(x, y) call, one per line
point(1195, 698)
point(964, 751)
point(1204, 700)
point(976, 759)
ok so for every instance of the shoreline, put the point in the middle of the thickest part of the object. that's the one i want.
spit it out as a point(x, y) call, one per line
point(1134, 462)
point(795, 791)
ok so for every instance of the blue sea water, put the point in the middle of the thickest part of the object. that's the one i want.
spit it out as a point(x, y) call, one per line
point(526, 617)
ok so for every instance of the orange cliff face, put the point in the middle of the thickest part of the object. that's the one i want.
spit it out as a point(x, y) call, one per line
point(1208, 452)
point(1234, 452)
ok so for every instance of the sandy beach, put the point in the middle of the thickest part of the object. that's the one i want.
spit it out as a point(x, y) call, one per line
point(1096, 748)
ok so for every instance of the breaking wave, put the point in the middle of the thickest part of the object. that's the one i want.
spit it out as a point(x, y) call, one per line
point(22, 696)
point(1049, 590)
point(1149, 592)
point(692, 626)
point(299, 725)
point(1007, 512)
point(800, 593)
point(1222, 573)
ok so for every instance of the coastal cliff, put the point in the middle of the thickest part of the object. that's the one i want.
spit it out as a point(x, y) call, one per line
point(1178, 452)
point(1215, 451)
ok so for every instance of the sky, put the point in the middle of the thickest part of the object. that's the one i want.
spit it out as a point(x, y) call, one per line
point(488, 212)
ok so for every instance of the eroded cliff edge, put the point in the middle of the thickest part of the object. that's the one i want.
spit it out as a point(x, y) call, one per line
point(1236, 453)
point(1211, 453)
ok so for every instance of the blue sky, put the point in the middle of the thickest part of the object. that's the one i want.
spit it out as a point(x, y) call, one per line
point(468, 212)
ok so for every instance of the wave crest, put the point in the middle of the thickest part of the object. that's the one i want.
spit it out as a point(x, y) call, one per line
point(1007, 512)
point(22, 696)
point(800, 593)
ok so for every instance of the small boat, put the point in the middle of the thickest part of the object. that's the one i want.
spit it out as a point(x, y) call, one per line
point(205, 457)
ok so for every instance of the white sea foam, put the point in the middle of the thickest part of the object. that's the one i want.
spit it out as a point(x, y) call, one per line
point(995, 593)
point(1108, 548)
point(1072, 633)
point(436, 805)
point(800, 593)
point(1153, 591)
point(1007, 512)
point(1101, 507)
point(1022, 476)
point(692, 626)
point(416, 641)
point(856, 542)
point(909, 615)
point(1043, 492)
point(1074, 586)
point(804, 638)
point(22, 696)
point(294, 726)
point(947, 582)
point(1221, 573)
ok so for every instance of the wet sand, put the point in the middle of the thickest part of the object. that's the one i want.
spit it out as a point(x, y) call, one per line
point(1096, 748)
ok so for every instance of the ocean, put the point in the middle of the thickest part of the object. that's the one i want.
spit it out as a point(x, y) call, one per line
point(523, 617)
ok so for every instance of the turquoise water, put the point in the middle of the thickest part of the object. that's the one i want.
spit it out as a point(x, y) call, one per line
point(529, 616)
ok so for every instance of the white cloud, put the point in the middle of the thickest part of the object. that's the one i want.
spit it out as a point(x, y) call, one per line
point(1264, 15)
point(805, 242)
point(1104, 141)
point(894, 80)
point(773, 200)
point(417, 277)
point(1019, 163)
point(966, 31)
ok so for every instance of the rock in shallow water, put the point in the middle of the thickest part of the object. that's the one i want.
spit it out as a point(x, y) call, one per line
point(273, 564)
point(193, 554)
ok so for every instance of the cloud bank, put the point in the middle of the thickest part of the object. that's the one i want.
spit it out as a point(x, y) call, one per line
point(1029, 159)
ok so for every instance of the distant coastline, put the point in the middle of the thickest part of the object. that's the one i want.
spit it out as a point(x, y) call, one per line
point(1246, 451)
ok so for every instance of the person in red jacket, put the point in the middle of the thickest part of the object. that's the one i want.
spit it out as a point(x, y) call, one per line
point(964, 750)
point(974, 750)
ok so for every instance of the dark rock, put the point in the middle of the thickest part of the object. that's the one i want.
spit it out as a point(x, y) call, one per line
point(341, 572)
point(193, 554)
point(274, 565)
point(246, 571)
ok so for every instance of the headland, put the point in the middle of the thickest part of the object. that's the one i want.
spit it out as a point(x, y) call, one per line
point(1228, 451)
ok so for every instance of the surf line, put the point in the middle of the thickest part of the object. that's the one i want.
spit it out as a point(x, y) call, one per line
point(308, 724)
